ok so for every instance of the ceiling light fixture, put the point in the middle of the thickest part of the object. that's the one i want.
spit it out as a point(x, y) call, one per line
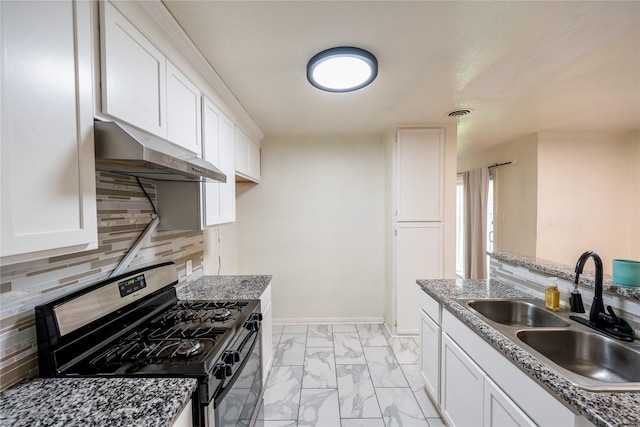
point(342, 69)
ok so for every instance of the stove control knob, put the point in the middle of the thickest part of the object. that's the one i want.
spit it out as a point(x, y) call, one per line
point(252, 325)
point(231, 356)
point(257, 316)
point(222, 370)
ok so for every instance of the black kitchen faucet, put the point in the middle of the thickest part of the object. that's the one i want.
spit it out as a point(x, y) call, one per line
point(604, 321)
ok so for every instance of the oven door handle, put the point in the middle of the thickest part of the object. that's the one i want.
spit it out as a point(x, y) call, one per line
point(225, 386)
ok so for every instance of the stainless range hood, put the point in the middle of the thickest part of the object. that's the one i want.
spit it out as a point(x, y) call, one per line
point(126, 150)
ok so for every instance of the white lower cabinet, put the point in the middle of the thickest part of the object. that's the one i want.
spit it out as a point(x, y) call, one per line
point(419, 249)
point(462, 391)
point(499, 410)
point(430, 355)
point(267, 329)
point(477, 385)
point(470, 397)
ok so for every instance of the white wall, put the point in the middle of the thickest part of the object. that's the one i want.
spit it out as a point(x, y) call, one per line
point(588, 196)
point(316, 223)
point(221, 251)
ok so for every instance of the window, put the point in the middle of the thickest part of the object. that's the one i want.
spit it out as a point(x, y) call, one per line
point(460, 223)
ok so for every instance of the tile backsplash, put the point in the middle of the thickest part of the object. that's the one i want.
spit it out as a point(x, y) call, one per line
point(123, 213)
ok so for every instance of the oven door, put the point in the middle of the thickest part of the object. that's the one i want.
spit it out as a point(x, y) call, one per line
point(237, 401)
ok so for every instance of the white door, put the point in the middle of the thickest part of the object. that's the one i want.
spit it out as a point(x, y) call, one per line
point(227, 166)
point(500, 410)
point(420, 174)
point(133, 74)
point(211, 153)
point(218, 136)
point(48, 171)
point(418, 256)
point(430, 355)
point(462, 385)
point(184, 111)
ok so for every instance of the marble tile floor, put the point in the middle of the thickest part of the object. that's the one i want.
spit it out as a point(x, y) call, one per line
point(345, 376)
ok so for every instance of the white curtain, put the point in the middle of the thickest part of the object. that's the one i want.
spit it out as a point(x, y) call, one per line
point(476, 192)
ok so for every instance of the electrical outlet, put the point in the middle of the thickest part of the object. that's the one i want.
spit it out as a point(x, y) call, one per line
point(189, 267)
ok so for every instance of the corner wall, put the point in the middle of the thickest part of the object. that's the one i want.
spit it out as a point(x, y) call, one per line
point(316, 223)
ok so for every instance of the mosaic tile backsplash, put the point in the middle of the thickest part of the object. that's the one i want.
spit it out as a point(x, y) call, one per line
point(123, 213)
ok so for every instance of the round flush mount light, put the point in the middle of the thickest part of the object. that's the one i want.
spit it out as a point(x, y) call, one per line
point(342, 69)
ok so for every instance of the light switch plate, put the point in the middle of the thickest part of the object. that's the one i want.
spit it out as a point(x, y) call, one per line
point(189, 267)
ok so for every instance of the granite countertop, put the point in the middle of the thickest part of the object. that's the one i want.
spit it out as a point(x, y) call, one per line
point(79, 402)
point(567, 272)
point(224, 287)
point(602, 409)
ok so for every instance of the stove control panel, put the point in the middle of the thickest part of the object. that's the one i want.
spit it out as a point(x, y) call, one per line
point(131, 285)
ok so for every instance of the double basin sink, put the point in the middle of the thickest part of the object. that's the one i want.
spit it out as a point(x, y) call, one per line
point(586, 358)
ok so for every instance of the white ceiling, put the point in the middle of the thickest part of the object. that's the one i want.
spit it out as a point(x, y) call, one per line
point(520, 66)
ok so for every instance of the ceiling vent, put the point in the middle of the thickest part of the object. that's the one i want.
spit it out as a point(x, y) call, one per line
point(459, 113)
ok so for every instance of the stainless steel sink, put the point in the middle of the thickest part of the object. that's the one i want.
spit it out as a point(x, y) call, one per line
point(585, 358)
point(517, 313)
point(587, 354)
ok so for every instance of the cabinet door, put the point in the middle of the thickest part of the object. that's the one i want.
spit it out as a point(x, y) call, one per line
point(183, 111)
point(133, 74)
point(48, 191)
point(420, 172)
point(218, 148)
point(500, 410)
point(242, 152)
point(227, 166)
point(462, 387)
point(267, 329)
point(247, 157)
point(418, 256)
point(211, 153)
point(254, 161)
point(430, 355)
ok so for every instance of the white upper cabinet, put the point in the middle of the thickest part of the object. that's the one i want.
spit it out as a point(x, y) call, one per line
point(48, 190)
point(247, 157)
point(183, 110)
point(218, 148)
point(142, 87)
point(420, 174)
point(133, 74)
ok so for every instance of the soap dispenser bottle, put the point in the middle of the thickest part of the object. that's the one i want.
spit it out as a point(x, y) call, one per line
point(552, 295)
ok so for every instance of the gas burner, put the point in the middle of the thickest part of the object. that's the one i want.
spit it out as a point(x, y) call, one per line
point(220, 314)
point(188, 349)
point(186, 315)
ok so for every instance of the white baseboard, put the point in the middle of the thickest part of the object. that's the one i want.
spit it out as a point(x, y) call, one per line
point(326, 320)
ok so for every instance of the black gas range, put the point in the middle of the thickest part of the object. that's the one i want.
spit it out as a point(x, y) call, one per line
point(134, 325)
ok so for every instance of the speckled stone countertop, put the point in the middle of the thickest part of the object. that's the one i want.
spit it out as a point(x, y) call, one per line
point(224, 287)
point(602, 409)
point(566, 272)
point(79, 402)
